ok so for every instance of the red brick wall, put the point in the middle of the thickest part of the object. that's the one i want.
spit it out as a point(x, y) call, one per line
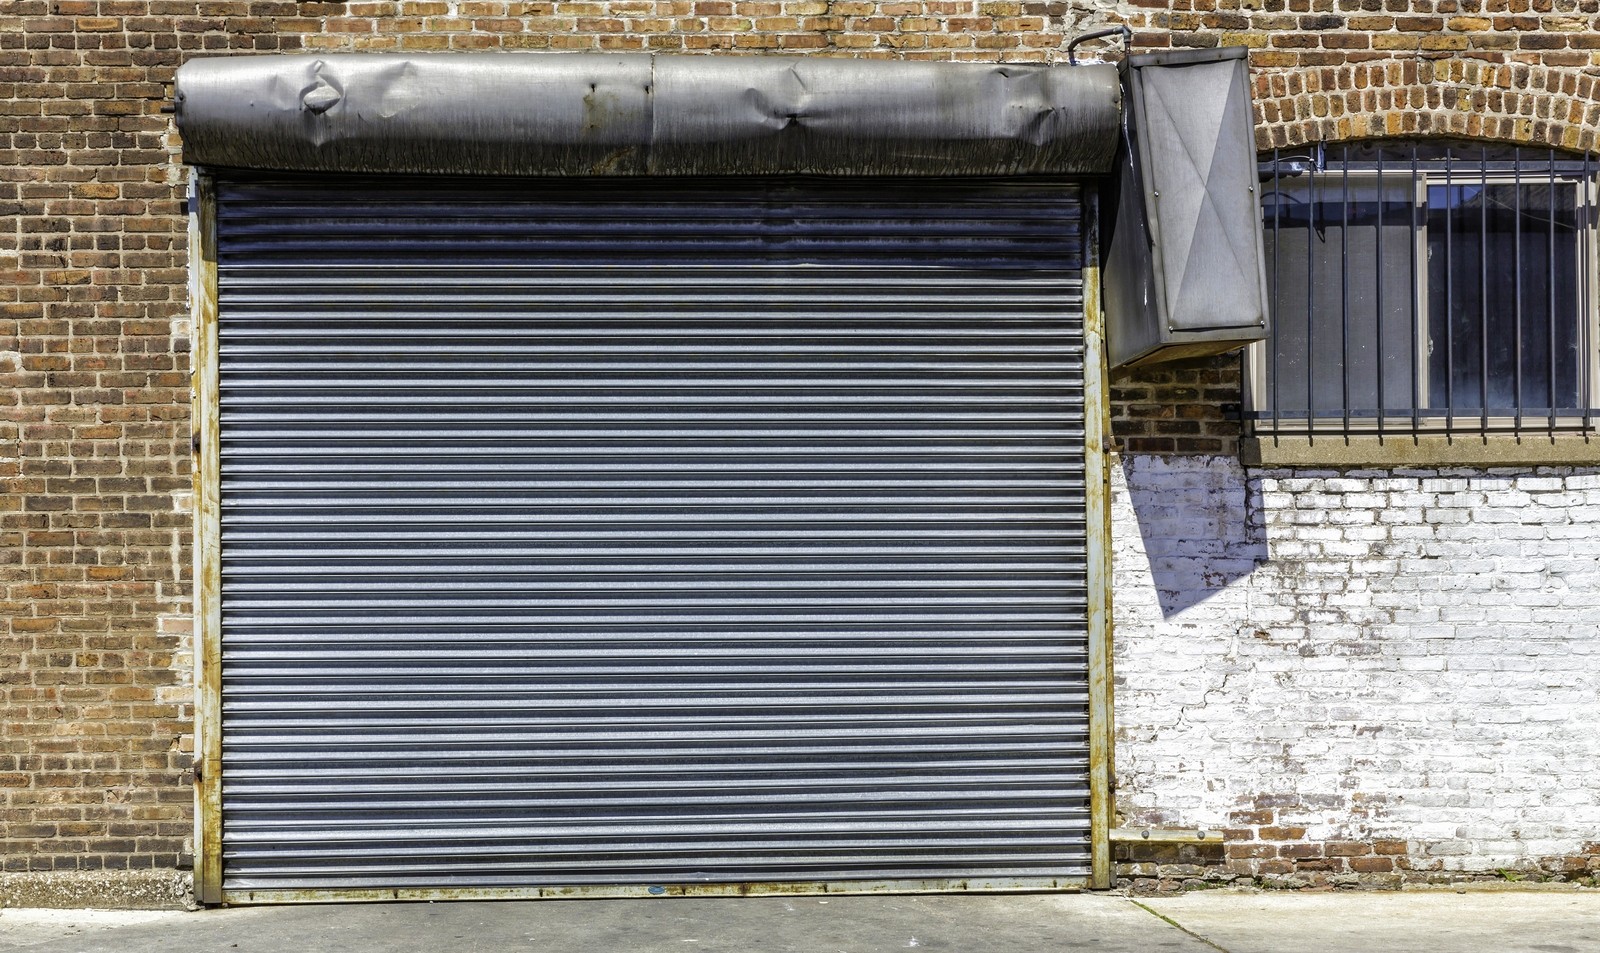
point(1003, 30)
point(95, 712)
point(94, 526)
point(1515, 70)
point(1181, 407)
point(94, 389)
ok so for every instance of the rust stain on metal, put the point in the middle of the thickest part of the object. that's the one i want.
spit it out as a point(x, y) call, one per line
point(1097, 502)
point(207, 583)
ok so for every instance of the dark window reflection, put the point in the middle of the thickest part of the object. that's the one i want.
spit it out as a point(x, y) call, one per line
point(1503, 273)
point(1339, 262)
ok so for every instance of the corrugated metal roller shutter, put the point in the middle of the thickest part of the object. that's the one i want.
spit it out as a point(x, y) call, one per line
point(603, 532)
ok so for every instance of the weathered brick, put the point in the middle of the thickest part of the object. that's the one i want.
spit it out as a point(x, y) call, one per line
point(1268, 617)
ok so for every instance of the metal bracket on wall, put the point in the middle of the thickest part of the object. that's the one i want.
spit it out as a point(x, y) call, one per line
point(1164, 835)
point(1127, 41)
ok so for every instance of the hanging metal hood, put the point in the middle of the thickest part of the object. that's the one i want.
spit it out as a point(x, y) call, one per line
point(1184, 271)
point(642, 114)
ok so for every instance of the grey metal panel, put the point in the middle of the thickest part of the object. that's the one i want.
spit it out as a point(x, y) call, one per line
point(1198, 133)
point(1128, 277)
point(643, 114)
point(1185, 272)
point(604, 533)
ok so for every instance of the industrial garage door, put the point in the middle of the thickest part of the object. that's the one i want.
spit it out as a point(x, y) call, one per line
point(651, 533)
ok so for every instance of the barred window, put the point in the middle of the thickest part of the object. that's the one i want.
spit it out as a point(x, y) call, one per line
point(1427, 287)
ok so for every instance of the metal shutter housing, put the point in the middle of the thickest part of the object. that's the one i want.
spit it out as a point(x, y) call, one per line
point(614, 535)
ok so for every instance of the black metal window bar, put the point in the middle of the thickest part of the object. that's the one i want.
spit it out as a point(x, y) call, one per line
point(1427, 287)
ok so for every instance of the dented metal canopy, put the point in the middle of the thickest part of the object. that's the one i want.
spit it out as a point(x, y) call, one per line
point(642, 114)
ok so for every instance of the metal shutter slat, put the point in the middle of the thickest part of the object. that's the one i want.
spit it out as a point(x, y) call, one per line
point(592, 533)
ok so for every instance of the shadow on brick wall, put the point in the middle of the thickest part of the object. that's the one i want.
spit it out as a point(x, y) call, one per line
point(1200, 525)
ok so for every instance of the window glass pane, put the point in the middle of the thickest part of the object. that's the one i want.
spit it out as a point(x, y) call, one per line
point(1339, 271)
point(1502, 281)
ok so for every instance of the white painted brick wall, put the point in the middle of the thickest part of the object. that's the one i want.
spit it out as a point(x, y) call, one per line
point(1380, 655)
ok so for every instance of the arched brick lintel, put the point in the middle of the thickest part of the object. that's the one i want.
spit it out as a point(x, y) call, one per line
point(1460, 98)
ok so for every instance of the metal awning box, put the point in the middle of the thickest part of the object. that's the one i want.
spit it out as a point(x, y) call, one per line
point(1184, 271)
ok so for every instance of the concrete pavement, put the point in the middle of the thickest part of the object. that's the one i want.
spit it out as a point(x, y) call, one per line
point(1535, 922)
